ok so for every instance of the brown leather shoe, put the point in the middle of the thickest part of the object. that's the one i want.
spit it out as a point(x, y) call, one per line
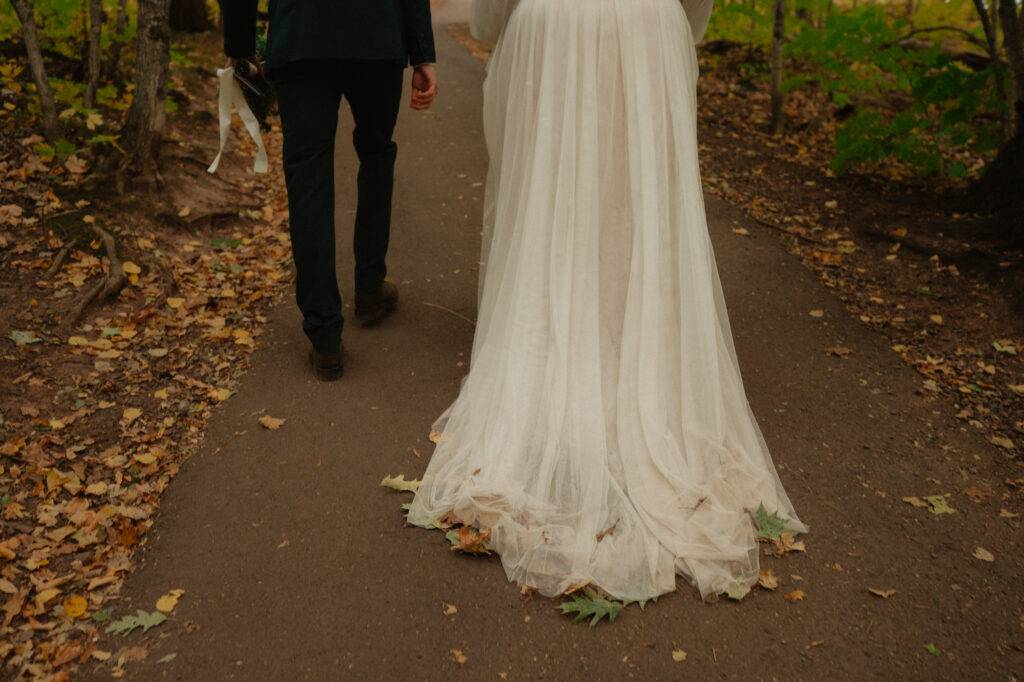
point(327, 366)
point(372, 308)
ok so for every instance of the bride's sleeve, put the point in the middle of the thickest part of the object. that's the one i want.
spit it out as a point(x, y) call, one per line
point(698, 12)
point(489, 18)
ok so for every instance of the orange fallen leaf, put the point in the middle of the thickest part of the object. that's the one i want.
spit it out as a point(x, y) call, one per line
point(795, 595)
point(75, 606)
point(167, 602)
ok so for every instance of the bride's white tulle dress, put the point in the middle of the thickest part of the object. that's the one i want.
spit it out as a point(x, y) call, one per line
point(603, 432)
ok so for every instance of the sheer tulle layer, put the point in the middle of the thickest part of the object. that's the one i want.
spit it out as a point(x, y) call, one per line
point(602, 433)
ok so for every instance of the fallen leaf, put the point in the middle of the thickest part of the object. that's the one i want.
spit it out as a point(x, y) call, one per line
point(1007, 514)
point(937, 319)
point(1002, 442)
point(400, 484)
point(938, 504)
point(817, 313)
point(174, 303)
point(932, 649)
point(131, 414)
point(884, 594)
point(168, 658)
point(448, 609)
point(167, 602)
point(741, 231)
point(460, 658)
point(438, 437)
point(838, 352)
point(21, 338)
point(141, 619)
point(768, 580)
point(271, 423)
point(678, 655)
point(915, 501)
point(983, 554)
point(468, 540)
point(795, 595)
point(75, 606)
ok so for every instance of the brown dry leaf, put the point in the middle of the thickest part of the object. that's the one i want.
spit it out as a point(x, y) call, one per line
point(448, 609)
point(983, 554)
point(937, 319)
point(1002, 442)
point(678, 655)
point(7, 586)
point(975, 493)
point(131, 414)
point(167, 602)
point(1007, 514)
point(915, 501)
point(472, 541)
point(742, 231)
point(884, 594)
point(438, 437)
point(768, 580)
point(795, 595)
point(460, 658)
point(838, 352)
point(271, 423)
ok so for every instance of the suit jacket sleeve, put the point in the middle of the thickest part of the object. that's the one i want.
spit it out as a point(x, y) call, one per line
point(419, 35)
point(239, 17)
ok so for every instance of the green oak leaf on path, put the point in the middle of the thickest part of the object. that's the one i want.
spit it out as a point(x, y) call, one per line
point(141, 619)
point(769, 527)
point(589, 605)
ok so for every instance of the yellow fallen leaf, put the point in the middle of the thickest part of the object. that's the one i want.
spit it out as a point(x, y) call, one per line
point(78, 341)
point(98, 488)
point(399, 483)
point(678, 655)
point(271, 423)
point(75, 606)
point(184, 213)
point(448, 609)
point(220, 394)
point(161, 394)
point(131, 414)
point(459, 657)
point(795, 595)
point(937, 319)
point(884, 594)
point(45, 597)
point(145, 458)
point(167, 602)
point(101, 655)
point(741, 231)
point(1007, 514)
point(174, 303)
point(131, 268)
point(984, 555)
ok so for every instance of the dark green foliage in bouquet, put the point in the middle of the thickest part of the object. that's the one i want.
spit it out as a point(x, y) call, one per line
point(259, 95)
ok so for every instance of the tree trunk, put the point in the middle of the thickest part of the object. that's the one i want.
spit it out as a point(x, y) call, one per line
point(1014, 46)
point(995, 54)
point(117, 40)
point(190, 16)
point(145, 121)
point(778, 40)
point(753, 15)
point(47, 104)
point(95, 33)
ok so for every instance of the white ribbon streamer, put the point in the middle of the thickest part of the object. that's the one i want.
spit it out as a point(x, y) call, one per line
point(231, 93)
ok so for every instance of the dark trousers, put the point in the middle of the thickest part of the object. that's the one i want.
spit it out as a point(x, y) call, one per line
point(309, 94)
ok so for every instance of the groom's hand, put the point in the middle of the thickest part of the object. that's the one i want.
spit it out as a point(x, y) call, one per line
point(424, 86)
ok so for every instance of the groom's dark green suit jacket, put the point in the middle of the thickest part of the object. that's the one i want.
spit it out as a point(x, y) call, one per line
point(386, 30)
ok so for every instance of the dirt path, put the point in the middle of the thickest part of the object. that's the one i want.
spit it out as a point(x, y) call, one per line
point(296, 564)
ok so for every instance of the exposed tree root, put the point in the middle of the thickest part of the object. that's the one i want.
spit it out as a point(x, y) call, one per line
point(108, 286)
point(59, 259)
